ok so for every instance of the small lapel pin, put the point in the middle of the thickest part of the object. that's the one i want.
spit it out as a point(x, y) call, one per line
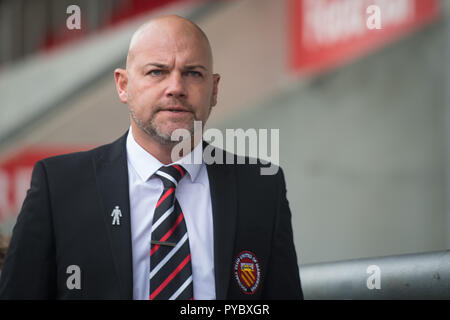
point(116, 214)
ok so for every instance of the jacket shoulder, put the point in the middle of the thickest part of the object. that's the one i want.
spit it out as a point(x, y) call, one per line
point(249, 168)
point(75, 159)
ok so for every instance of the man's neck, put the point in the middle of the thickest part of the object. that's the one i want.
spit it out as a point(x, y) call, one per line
point(162, 152)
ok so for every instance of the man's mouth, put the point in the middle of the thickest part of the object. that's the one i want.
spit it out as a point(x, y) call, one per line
point(176, 109)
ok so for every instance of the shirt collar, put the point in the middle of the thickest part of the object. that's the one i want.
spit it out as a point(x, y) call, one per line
point(146, 164)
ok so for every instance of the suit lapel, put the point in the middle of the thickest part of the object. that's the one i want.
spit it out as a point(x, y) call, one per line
point(112, 181)
point(222, 181)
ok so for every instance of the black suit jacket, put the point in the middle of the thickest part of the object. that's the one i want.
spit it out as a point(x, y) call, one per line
point(66, 220)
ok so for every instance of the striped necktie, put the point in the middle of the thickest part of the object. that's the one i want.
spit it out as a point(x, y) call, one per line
point(170, 257)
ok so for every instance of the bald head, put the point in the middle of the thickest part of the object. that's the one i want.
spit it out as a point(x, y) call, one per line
point(171, 28)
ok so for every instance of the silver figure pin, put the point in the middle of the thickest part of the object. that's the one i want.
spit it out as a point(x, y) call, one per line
point(116, 214)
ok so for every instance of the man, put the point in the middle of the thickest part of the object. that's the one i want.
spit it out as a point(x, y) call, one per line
point(128, 221)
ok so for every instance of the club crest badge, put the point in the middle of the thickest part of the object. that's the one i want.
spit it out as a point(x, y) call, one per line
point(247, 272)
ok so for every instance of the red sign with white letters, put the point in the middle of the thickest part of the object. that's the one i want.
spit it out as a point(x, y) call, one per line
point(327, 33)
point(15, 176)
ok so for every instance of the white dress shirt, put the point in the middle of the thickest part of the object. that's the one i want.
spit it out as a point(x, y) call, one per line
point(194, 197)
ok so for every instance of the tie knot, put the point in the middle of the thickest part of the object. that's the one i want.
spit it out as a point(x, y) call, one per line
point(171, 175)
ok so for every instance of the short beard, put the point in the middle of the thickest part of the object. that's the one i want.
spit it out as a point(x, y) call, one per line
point(153, 131)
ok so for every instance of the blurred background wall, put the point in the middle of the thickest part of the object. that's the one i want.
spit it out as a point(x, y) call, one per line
point(363, 119)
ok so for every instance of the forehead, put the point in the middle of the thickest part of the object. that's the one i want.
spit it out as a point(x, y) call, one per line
point(166, 43)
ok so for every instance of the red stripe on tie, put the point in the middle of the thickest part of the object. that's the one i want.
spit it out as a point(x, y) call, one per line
point(169, 233)
point(170, 277)
point(164, 196)
point(179, 169)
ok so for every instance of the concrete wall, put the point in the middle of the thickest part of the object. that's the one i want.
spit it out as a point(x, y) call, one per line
point(447, 121)
point(363, 153)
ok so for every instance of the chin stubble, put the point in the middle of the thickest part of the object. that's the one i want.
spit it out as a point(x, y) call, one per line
point(154, 132)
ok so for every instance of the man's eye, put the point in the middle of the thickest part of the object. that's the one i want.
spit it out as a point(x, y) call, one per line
point(154, 72)
point(194, 74)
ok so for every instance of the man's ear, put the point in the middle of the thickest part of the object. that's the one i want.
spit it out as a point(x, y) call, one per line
point(216, 79)
point(121, 78)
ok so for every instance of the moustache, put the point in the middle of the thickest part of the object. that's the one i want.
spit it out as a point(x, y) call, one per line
point(174, 104)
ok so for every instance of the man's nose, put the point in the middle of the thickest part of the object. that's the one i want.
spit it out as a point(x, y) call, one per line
point(176, 87)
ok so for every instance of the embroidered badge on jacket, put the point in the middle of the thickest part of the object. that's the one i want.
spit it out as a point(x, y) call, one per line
point(247, 272)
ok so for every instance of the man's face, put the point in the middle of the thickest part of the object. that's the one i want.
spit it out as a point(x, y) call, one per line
point(170, 82)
